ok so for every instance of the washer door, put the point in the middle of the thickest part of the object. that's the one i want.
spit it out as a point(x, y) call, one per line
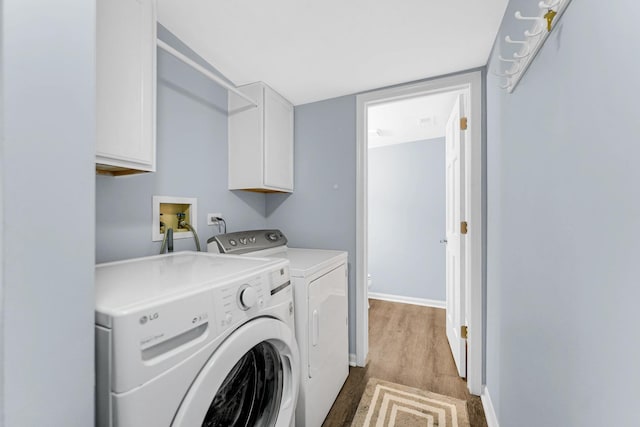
point(250, 380)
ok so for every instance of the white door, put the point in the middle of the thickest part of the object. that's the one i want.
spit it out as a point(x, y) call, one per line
point(455, 240)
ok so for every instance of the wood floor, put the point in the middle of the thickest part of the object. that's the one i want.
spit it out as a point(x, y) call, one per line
point(407, 345)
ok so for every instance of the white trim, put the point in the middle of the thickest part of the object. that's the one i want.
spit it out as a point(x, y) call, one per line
point(473, 193)
point(408, 300)
point(362, 301)
point(352, 359)
point(473, 82)
point(489, 410)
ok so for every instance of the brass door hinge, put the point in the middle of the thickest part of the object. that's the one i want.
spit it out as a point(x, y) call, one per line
point(464, 332)
point(463, 227)
point(463, 123)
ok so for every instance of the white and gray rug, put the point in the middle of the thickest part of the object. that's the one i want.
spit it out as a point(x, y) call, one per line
point(386, 404)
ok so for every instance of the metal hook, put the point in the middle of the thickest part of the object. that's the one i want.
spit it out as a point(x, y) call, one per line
point(519, 16)
point(507, 86)
point(543, 5)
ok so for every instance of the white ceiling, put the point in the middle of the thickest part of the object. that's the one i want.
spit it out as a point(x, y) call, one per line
point(409, 120)
point(314, 50)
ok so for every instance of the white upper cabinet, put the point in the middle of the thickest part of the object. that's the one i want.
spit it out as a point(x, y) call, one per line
point(126, 86)
point(260, 141)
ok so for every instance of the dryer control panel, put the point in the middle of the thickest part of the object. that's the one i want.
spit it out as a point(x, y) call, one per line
point(242, 242)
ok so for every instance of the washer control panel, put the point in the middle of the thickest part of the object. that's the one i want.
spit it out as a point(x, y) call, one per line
point(236, 302)
point(248, 241)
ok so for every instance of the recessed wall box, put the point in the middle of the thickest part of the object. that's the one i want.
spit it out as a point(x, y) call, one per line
point(169, 211)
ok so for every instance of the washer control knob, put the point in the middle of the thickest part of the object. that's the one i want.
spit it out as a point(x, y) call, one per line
point(248, 297)
point(272, 237)
point(252, 239)
point(228, 318)
point(232, 242)
point(243, 240)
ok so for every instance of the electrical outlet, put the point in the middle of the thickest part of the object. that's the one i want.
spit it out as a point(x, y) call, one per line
point(211, 218)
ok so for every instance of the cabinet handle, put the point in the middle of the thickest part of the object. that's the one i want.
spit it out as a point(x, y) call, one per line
point(316, 328)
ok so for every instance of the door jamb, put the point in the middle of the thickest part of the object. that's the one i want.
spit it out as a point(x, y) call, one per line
point(474, 215)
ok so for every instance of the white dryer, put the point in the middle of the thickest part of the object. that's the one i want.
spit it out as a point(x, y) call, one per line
point(191, 339)
point(321, 300)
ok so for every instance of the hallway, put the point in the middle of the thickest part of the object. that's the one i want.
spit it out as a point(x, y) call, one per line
point(407, 345)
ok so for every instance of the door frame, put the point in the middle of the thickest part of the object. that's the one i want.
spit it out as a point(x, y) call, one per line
point(473, 207)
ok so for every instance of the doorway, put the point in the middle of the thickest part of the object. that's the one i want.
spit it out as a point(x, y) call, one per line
point(471, 285)
point(406, 184)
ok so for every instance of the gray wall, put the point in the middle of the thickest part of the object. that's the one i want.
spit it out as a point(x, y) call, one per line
point(191, 162)
point(48, 209)
point(407, 208)
point(321, 211)
point(563, 224)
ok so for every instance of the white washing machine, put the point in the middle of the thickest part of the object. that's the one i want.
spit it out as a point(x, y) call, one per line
point(192, 339)
point(321, 316)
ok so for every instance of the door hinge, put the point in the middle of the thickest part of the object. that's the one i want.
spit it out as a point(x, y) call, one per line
point(463, 123)
point(463, 227)
point(464, 332)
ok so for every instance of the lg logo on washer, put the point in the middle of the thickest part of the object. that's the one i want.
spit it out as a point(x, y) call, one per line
point(149, 318)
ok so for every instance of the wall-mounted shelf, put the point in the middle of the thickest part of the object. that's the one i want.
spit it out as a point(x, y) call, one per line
point(184, 58)
point(534, 38)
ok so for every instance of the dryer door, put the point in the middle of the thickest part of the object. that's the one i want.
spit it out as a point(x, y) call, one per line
point(251, 380)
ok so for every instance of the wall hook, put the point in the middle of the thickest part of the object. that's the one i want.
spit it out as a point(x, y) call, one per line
point(519, 16)
point(524, 52)
point(543, 5)
point(507, 60)
point(518, 55)
point(508, 74)
point(508, 39)
point(549, 17)
point(528, 33)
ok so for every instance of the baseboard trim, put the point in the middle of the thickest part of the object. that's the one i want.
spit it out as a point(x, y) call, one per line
point(352, 359)
point(408, 300)
point(489, 411)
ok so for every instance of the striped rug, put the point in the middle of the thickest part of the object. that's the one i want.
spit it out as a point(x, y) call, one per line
point(386, 404)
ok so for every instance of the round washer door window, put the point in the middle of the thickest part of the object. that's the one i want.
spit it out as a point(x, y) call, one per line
point(250, 380)
point(250, 394)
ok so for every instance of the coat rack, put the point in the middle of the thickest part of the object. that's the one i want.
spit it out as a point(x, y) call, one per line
point(534, 38)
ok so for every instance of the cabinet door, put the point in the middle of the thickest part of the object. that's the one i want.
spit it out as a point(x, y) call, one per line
point(125, 60)
point(278, 141)
point(246, 133)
